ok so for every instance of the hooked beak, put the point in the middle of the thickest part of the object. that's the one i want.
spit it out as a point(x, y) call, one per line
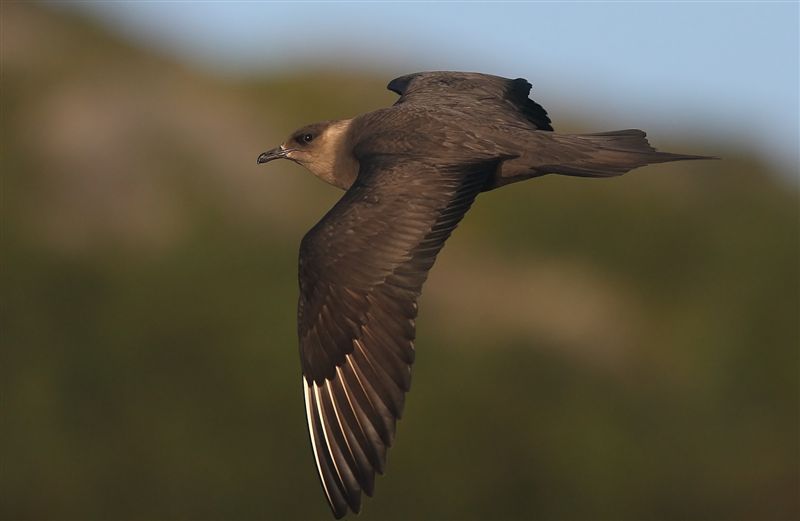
point(275, 153)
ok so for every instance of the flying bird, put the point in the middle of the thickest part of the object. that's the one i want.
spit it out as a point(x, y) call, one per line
point(410, 172)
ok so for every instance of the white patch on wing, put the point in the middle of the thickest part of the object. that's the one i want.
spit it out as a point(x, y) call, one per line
point(338, 419)
point(325, 428)
point(349, 359)
point(347, 395)
point(309, 411)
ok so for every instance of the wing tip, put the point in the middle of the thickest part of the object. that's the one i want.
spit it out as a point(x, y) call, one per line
point(401, 83)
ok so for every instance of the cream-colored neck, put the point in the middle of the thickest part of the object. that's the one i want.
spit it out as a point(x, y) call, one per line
point(333, 161)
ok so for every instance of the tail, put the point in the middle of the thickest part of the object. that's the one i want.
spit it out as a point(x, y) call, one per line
point(606, 154)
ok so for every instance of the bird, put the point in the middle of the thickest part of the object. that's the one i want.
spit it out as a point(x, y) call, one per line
point(410, 172)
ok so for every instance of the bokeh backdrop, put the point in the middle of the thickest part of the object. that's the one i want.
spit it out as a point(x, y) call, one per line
point(587, 349)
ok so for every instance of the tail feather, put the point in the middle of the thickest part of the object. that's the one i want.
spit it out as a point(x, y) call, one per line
point(607, 154)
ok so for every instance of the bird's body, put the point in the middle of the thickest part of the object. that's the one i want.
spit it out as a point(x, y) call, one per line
point(410, 171)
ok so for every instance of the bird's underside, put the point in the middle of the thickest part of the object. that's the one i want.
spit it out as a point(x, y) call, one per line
point(421, 163)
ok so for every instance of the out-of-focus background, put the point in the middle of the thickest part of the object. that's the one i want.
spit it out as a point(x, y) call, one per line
point(587, 349)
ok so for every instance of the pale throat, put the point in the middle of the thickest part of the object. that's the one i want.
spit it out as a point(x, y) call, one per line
point(333, 161)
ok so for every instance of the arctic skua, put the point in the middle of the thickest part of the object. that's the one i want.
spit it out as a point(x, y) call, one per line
point(410, 172)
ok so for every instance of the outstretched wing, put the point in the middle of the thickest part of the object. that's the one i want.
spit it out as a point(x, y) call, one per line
point(481, 93)
point(361, 270)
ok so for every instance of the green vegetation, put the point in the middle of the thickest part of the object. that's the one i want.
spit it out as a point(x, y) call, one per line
point(587, 349)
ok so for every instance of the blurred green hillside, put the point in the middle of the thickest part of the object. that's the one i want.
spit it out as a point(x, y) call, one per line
point(587, 349)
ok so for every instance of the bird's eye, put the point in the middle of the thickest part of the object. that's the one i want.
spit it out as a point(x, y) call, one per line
point(307, 138)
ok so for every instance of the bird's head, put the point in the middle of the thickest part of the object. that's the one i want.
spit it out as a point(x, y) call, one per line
point(320, 148)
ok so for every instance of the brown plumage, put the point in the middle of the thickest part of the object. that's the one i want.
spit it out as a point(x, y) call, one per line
point(411, 172)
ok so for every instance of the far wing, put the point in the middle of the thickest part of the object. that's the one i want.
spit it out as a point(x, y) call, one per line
point(482, 93)
point(361, 270)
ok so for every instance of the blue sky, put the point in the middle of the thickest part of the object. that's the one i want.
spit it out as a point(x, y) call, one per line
point(721, 70)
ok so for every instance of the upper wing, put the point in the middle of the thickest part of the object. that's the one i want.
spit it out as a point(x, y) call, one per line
point(483, 93)
point(361, 270)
